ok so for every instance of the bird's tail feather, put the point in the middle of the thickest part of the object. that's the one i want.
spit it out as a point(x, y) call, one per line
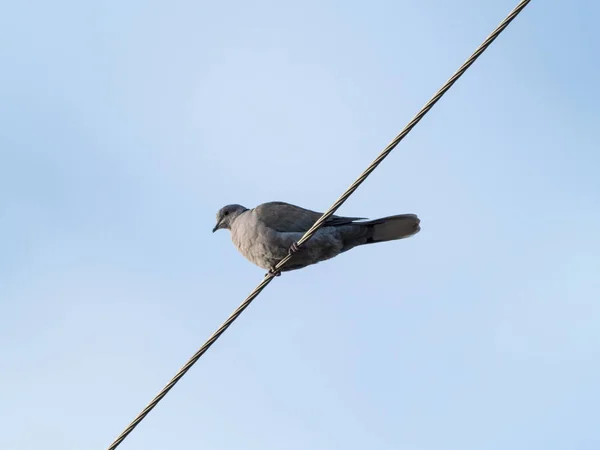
point(392, 228)
point(379, 230)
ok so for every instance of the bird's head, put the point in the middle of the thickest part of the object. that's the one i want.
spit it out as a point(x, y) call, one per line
point(226, 216)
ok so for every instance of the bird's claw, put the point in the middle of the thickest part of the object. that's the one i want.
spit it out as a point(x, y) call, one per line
point(276, 272)
point(294, 248)
point(273, 272)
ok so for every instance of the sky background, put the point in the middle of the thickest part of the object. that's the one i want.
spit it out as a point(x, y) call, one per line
point(125, 126)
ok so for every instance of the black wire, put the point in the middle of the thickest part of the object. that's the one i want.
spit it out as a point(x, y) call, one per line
point(310, 233)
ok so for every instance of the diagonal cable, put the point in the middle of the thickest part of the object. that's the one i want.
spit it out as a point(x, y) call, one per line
point(339, 202)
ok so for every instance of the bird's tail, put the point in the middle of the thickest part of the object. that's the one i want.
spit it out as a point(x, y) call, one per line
point(392, 228)
point(379, 230)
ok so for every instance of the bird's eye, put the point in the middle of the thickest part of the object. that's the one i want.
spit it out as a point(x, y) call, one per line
point(226, 213)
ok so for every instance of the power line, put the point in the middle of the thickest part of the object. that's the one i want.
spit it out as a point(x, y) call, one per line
point(339, 202)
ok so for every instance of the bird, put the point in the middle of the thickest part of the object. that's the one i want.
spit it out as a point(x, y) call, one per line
point(266, 234)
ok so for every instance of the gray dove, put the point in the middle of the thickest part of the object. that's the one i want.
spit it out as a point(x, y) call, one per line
point(267, 233)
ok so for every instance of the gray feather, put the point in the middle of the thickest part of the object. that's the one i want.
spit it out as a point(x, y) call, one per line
point(281, 216)
point(381, 230)
point(264, 234)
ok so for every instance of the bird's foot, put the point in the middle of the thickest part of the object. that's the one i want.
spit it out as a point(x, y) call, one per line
point(273, 272)
point(294, 248)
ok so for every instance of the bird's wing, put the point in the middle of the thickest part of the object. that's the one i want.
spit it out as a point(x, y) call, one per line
point(284, 217)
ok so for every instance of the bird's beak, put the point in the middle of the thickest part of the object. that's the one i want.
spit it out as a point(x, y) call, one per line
point(216, 227)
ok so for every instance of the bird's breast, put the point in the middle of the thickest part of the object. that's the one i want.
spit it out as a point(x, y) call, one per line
point(255, 242)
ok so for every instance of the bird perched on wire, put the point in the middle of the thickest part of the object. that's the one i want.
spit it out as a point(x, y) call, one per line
point(267, 233)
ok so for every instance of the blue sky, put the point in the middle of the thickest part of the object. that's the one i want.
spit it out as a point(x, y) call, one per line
point(125, 126)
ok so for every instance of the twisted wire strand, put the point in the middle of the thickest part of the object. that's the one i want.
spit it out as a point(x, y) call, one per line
point(310, 233)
